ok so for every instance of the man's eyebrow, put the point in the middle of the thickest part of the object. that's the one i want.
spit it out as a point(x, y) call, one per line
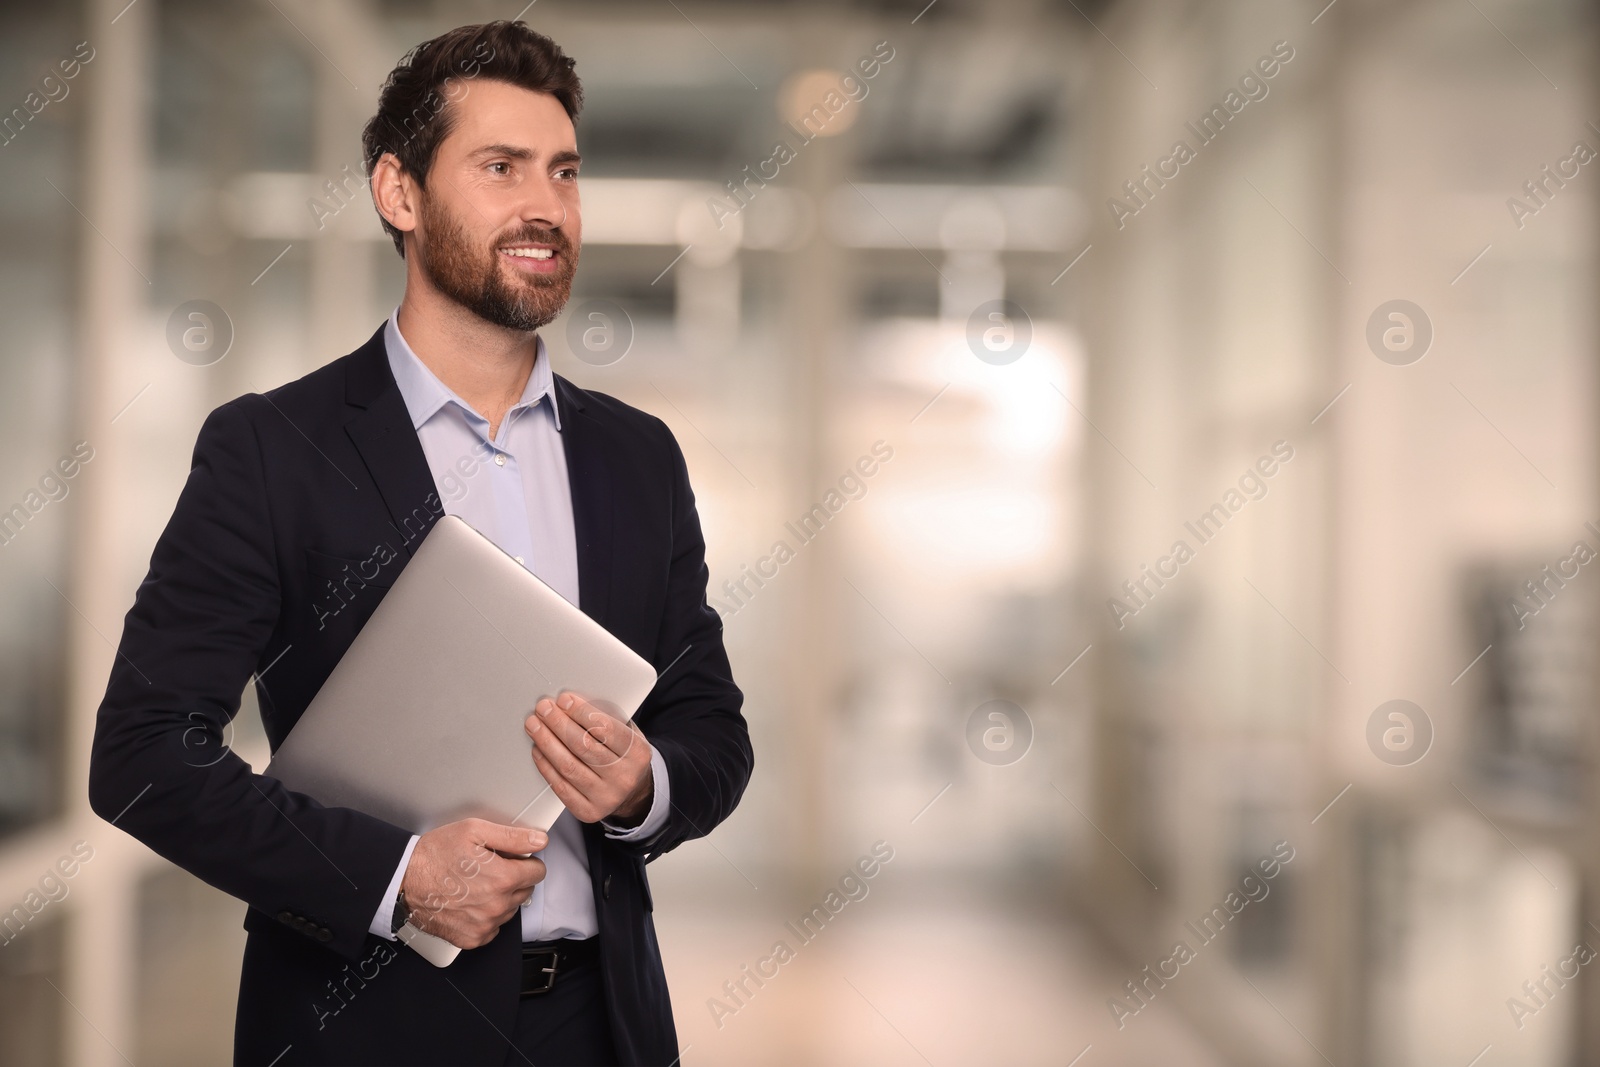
point(514, 151)
point(519, 152)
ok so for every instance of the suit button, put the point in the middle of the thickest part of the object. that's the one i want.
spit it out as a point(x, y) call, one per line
point(324, 934)
point(286, 917)
point(605, 887)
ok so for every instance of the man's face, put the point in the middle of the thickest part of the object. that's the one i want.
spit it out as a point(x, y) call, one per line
point(500, 224)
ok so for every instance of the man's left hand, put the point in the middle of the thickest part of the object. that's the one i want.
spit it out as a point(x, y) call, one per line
point(597, 764)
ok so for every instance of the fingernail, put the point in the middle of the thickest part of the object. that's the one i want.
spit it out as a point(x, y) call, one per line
point(565, 701)
point(545, 707)
point(534, 726)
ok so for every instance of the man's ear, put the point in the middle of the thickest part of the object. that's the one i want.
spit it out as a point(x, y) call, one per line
point(394, 193)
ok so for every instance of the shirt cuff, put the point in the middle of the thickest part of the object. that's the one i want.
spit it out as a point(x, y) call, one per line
point(659, 806)
point(382, 921)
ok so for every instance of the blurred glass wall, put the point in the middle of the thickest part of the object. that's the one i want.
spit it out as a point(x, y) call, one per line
point(1145, 454)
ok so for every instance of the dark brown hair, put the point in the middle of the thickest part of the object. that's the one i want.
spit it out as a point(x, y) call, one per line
point(414, 105)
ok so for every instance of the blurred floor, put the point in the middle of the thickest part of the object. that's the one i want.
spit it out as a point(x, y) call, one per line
point(924, 969)
point(927, 971)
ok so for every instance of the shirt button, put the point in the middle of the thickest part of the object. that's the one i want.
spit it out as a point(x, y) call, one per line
point(517, 558)
point(499, 459)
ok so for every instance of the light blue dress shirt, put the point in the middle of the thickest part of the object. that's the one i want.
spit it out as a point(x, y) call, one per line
point(513, 490)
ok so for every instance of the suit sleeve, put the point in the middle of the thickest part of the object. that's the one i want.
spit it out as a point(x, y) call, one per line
point(692, 718)
point(196, 633)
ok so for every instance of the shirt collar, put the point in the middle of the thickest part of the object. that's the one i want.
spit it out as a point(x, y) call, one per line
point(425, 394)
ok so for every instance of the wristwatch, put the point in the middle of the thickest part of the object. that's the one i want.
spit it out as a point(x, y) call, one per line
point(402, 912)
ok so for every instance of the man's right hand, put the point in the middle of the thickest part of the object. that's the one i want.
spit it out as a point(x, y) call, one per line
point(466, 878)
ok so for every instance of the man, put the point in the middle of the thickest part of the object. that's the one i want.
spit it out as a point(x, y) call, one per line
point(301, 507)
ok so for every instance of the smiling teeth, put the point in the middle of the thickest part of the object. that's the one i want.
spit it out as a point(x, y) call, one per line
point(529, 253)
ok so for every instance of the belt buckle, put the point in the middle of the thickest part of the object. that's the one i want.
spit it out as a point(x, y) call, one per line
point(547, 974)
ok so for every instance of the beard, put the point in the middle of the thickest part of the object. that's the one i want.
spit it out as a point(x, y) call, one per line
point(477, 278)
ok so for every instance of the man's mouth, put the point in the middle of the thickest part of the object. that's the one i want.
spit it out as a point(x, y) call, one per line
point(532, 259)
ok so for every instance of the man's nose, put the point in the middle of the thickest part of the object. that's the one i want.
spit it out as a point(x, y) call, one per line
point(544, 206)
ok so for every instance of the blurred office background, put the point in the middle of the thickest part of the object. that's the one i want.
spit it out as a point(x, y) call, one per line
point(989, 659)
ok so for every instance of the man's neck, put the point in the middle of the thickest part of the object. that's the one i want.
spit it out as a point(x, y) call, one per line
point(484, 364)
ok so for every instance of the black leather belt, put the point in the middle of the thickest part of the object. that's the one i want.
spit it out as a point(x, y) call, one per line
point(542, 961)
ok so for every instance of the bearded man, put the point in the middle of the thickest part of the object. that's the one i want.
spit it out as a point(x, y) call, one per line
point(450, 408)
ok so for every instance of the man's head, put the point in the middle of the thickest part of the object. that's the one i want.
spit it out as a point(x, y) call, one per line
point(473, 162)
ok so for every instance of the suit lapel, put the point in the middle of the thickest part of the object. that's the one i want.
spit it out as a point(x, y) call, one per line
point(589, 476)
point(381, 431)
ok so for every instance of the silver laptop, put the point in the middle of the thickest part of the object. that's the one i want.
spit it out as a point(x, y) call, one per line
point(420, 724)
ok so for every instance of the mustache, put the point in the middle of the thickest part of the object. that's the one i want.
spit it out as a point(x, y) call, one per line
point(537, 235)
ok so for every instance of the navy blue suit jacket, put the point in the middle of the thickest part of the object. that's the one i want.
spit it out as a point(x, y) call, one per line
point(287, 490)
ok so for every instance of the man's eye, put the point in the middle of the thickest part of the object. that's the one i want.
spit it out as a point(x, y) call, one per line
point(569, 173)
point(505, 168)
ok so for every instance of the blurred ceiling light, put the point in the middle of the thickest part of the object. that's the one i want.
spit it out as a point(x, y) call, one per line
point(971, 525)
point(637, 211)
point(1027, 416)
point(808, 91)
point(1037, 218)
point(973, 221)
point(665, 211)
point(616, 211)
